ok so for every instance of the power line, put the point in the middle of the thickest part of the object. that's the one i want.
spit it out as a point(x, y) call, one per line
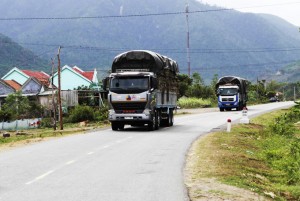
point(242, 66)
point(171, 50)
point(138, 15)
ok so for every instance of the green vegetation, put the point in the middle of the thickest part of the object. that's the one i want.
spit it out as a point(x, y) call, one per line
point(193, 103)
point(263, 156)
point(17, 106)
point(13, 55)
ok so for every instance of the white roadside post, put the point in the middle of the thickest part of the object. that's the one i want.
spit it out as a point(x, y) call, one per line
point(245, 119)
point(228, 125)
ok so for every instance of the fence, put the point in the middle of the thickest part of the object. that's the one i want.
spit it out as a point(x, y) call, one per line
point(20, 124)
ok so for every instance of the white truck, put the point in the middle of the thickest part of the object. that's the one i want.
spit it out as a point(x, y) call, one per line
point(142, 90)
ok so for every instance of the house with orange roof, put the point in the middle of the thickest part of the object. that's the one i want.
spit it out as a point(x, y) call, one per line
point(8, 87)
point(21, 76)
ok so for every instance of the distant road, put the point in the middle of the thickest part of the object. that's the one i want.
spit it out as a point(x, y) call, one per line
point(130, 165)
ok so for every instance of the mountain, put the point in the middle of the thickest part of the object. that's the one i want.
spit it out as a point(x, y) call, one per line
point(223, 42)
point(289, 73)
point(14, 55)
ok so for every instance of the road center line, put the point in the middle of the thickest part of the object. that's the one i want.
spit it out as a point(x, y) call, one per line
point(70, 162)
point(40, 177)
point(90, 153)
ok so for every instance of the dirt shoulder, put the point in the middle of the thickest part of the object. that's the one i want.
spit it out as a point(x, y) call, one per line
point(210, 189)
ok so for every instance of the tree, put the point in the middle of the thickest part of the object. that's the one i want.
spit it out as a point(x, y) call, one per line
point(184, 83)
point(16, 105)
point(197, 79)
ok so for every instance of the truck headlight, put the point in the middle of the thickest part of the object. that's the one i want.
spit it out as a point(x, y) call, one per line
point(147, 112)
point(111, 112)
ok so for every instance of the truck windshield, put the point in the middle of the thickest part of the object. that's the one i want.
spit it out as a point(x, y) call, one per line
point(129, 84)
point(228, 91)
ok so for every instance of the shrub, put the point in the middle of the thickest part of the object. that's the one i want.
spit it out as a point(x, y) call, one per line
point(102, 114)
point(46, 123)
point(81, 113)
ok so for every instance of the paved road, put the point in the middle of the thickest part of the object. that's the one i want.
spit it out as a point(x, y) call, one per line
point(130, 165)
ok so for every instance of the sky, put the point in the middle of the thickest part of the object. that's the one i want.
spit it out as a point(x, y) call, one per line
point(286, 9)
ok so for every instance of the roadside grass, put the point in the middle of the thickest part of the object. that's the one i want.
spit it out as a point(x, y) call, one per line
point(194, 103)
point(38, 134)
point(252, 157)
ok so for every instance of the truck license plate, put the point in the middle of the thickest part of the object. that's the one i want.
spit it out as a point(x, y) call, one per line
point(128, 117)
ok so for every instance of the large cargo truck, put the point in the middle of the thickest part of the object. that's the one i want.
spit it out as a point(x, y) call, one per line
point(142, 90)
point(232, 93)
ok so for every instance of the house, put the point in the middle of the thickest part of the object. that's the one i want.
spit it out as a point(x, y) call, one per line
point(21, 76)
point(8, 87)
point(72, 78)
point(33, 86)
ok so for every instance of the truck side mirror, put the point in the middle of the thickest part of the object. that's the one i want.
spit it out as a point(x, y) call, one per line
point(105, 82)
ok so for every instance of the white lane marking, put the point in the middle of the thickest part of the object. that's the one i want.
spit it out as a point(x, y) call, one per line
point(40, 177)
point(70, 162)
point(106, 146)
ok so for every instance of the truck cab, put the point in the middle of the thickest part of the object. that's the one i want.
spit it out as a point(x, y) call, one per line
point(232, 93)
point(228, 97)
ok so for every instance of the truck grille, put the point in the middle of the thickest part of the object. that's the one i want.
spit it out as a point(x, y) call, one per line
point(227, 99)
point(129, 107)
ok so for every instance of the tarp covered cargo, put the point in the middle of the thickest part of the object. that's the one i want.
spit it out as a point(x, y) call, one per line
point(143, 60)
point(241, 82)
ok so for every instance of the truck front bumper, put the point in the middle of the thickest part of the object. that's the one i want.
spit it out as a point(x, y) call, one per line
point(228, 104)
point(130, 117)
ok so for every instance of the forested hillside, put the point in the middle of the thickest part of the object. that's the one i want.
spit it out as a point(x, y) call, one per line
point(13, 55)
point(92, 32)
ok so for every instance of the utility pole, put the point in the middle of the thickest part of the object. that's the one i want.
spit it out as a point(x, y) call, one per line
point(188, 39)
point(53, 100)
point(59, 91)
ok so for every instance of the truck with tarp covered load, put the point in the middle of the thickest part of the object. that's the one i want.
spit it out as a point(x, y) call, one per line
point(232, 93)
point(142, 90)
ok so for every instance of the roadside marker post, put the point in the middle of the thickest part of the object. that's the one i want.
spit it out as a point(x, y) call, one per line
point(228, 125)
point(245, 119)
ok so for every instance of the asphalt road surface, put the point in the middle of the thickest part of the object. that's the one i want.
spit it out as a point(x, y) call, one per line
point(129, 165)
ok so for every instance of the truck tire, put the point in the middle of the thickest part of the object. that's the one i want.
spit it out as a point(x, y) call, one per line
point(151, 124)
point(114, 126)
point(121, 126)
point(221, 109)
point(171, 118)
point(157, 121)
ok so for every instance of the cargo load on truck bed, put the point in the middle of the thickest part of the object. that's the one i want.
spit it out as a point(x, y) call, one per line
point(145, 61)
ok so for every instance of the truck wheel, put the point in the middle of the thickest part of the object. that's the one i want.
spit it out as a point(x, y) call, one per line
point(171, 118)
point(121, 126)
point(151, 125)
point(221, 109)
point(114, 126)
point(157, 121)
